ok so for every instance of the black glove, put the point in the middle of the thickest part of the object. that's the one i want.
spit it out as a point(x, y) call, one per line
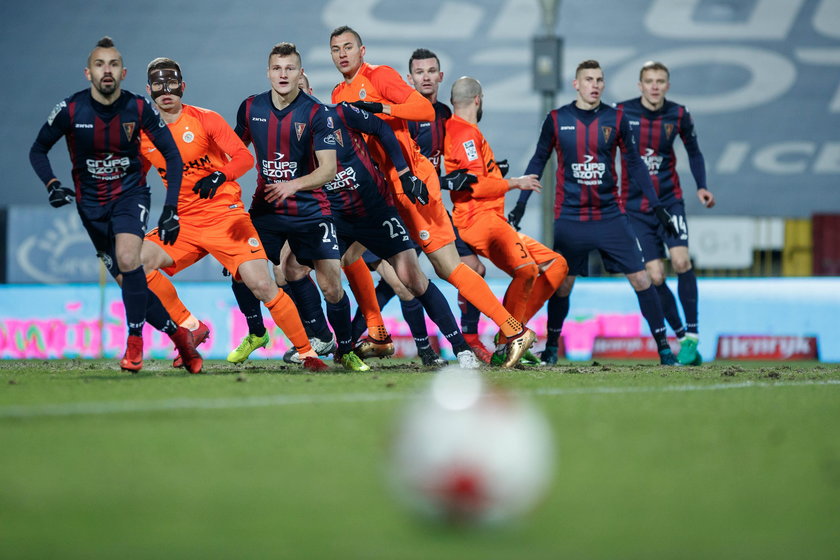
point(458, 180)
point(667, 220)
point(59, 196)
point(369, 106)
point(516, 214)
point(503, 166)
point(168, 225)
point(414, 189)
point(206, 186)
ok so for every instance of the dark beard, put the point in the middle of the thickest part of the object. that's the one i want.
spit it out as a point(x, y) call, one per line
point(107, 90)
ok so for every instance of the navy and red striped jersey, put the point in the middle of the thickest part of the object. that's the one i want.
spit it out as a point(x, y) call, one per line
point(655, 132)
point(285, 142)
point(429, 135)
point(585, 142)
point(359, 186)
point(104, 145)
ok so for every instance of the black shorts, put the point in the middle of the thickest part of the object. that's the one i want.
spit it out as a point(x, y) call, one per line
point(311, 238)
point(612, 237)
point(128, 213)
point(652, 235)
point(382, 232)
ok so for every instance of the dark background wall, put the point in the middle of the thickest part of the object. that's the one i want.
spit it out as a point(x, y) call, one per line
point(761, 77)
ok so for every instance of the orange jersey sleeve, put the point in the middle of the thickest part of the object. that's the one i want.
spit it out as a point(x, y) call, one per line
point(384, 85)
point(466, 148)
point(205, 147)
point(224, 137)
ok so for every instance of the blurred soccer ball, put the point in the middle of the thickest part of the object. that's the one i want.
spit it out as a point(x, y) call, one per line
point(465, 452)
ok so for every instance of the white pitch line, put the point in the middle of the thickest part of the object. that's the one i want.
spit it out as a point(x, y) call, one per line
point(119, 407)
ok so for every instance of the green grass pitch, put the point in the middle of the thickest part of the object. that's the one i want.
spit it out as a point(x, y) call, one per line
point(726, 460)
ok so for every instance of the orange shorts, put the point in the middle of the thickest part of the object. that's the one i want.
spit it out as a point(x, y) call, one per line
point(230, 238)
point(493, 238)
point(540, 253)
point(428, 224)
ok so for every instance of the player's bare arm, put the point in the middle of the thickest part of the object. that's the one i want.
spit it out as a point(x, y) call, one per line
point(706, 197)
point(525, 183)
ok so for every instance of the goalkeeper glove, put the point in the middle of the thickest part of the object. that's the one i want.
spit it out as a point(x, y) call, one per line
point(516, 214)
point(414, 189)
point(369, 106)
point(168, 225)
point(206, 186)
point(458, 180)
point(59, 196)
point(667, 220)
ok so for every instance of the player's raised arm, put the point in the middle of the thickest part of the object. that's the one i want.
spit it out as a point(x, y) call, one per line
point(404, 101)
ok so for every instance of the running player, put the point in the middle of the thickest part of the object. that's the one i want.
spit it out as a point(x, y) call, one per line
point(585, 135)
point(537, 271)
point(213, 217)
point(102, 127)
point(656, 123)
point(379, 89)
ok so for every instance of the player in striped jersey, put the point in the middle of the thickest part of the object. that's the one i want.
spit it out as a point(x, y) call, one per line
point(585, 135)
point(102, 128)
point(295, 150)
point(656, 124)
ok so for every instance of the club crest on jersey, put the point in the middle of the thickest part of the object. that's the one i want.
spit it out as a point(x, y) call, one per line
point(607, 132)
point(128, 127)
point(469, 147)
point(669, 128)
point(299, 128)
point(338, 138)
point(188, 136)
point(362, 93)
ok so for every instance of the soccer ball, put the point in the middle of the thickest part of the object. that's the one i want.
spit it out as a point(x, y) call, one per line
point(465, 452)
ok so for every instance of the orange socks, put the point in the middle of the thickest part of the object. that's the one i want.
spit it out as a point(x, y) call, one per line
point(162, 287)
point(477, 292)
point(545, 285)
point(361, 282)
point(519, 290)
point(285, 316)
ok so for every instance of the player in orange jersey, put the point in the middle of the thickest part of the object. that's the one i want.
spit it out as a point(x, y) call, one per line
point(381, 90)
point(479, 208)
point(213, 217)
